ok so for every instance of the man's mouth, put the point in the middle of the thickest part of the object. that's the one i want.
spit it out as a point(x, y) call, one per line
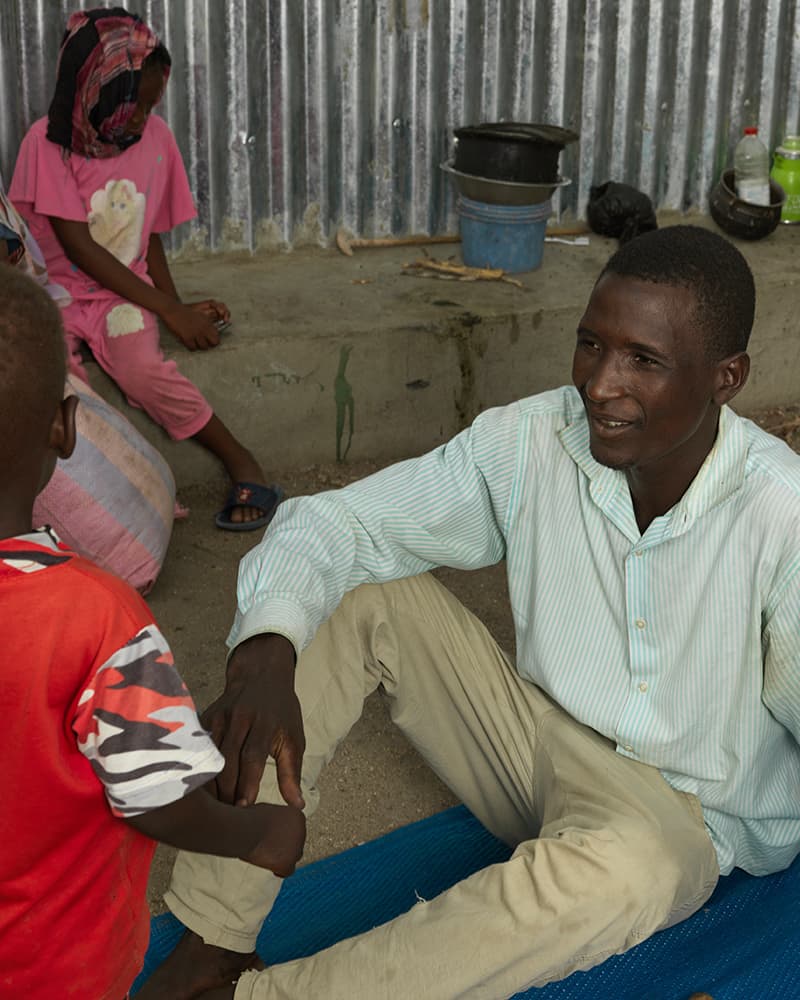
point(608, 425)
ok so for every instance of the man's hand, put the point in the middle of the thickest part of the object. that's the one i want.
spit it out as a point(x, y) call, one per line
point(256, 717)
point(192, 326)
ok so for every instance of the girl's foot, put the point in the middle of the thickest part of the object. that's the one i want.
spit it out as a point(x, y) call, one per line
point(245, 499)
point(251, 503)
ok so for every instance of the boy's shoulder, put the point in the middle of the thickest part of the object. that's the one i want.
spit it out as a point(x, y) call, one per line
point(42, 558)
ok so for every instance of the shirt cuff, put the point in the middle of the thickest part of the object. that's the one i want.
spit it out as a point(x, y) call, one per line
point(277, 615)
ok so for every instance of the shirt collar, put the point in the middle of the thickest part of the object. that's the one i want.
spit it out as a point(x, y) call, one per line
point(44, 537)
point(721, 474)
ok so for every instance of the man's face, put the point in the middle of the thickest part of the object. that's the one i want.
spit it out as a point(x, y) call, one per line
point(641, 368)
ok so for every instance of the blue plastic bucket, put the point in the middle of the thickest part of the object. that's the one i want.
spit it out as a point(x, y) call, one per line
point(510, 237)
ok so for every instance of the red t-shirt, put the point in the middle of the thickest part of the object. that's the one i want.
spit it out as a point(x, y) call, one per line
point(97, 724)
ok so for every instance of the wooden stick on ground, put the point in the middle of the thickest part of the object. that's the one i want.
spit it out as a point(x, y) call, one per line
point(450, 269)
point(347, 244)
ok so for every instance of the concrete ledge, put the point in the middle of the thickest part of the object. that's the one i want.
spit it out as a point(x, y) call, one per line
point(318, 338)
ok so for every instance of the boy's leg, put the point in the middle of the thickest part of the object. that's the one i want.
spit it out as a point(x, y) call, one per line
point(620, 852)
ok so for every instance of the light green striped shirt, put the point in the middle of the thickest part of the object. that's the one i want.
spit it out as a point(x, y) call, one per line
point(682, 645)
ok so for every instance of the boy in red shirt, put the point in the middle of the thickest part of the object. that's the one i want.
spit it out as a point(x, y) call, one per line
point(101, 746)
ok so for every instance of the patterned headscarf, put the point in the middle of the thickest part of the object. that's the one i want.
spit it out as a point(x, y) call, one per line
point(97, 82)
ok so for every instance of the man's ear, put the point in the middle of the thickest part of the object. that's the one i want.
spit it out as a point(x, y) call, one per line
point(732, 374)
point(62, 430)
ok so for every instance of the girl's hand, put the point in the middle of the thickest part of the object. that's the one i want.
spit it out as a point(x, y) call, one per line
point(217, 311)
point(192, 326)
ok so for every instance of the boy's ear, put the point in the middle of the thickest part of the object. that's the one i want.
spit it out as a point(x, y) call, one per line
point(62, 430)
point(731, 377)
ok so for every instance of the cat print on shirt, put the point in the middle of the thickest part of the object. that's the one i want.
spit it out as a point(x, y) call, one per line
point(116, 219)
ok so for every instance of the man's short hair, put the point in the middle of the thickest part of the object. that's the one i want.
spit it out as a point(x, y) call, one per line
point(709, 266)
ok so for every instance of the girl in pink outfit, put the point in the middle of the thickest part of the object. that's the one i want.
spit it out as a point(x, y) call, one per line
point(98, 180)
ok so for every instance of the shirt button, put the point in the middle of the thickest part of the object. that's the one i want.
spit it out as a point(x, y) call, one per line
point(628, 747)
point(643, 686)
point(641, 623)
point(639, 553)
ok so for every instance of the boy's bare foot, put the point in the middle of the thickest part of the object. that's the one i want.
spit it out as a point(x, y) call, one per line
point(194, 968)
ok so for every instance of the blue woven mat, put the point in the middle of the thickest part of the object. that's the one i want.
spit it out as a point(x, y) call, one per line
point(743, 945)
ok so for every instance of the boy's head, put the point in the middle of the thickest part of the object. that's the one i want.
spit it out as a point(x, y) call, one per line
point(37, 426)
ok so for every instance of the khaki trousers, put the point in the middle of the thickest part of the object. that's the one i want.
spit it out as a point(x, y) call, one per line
point(606, 852)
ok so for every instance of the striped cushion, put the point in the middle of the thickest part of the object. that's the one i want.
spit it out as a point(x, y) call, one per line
point(113, 500)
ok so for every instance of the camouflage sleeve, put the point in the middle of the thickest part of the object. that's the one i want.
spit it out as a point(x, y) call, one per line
point(137, 725)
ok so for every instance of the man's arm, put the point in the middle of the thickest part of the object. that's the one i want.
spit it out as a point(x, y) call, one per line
point(409, 518)
point(193, 327)
point(781, 640)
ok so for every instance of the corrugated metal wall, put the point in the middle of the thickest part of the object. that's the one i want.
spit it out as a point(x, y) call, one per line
point(297, 115)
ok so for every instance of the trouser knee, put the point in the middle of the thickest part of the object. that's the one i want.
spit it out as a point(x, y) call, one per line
point(655, 881)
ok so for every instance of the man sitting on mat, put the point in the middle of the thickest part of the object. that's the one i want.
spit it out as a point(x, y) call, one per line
point(646, 738)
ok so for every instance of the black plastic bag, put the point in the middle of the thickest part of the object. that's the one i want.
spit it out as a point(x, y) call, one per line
point(620, 210)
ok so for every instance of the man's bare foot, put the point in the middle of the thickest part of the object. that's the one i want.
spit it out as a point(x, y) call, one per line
point(194, 968)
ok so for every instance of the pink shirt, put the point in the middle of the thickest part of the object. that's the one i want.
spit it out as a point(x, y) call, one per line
point(124, 199)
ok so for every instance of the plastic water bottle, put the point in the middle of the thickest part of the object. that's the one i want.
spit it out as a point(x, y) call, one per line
point(751, 168)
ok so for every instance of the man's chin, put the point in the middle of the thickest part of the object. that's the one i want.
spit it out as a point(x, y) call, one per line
point(609, 458)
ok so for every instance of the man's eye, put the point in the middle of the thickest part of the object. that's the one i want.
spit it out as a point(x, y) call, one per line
point(642, 359)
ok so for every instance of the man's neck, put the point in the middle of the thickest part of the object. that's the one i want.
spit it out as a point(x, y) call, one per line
point(655, 490)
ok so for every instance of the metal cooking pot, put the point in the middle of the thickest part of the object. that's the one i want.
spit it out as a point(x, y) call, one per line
point(521, 152)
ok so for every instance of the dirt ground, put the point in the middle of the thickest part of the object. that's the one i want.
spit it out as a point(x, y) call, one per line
point(377, 782)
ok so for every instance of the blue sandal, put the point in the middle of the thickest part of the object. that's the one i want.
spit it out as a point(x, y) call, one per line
point(266, 498)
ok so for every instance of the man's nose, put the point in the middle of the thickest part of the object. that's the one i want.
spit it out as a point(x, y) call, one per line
point(606, 380)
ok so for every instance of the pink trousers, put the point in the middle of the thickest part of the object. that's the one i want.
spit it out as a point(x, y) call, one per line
point(125, 341)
